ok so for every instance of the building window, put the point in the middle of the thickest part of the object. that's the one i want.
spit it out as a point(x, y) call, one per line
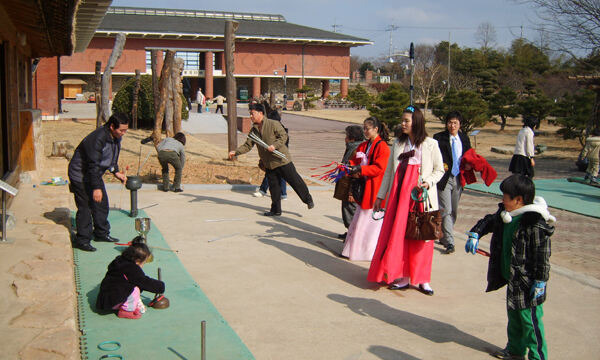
point(191, 59)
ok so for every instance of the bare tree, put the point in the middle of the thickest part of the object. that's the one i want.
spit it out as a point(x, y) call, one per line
point(486, 35)
point(428, 73)
point(572, 26)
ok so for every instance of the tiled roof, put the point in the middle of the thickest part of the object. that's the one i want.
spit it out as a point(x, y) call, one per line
point(195, 24)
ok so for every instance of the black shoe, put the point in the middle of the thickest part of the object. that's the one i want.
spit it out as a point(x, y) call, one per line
point(342, 236)
point(177, 190)
point(449, 249)
point(85, 247)
point(311, 204)
point(108, 238)
point(398, 287)
point(426, 292)
point(270, 213)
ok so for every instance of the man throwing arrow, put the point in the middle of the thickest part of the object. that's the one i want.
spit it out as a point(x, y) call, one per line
point(274, 156)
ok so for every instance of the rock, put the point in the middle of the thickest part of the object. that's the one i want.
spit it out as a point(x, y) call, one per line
point(60, 343)
point(39, 220)
point(42, 270)
point(503, 150)
point(44, 315)
point(33, 290)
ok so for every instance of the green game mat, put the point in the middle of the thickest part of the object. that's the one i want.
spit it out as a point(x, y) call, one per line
point(172, 333)
point(559, 193)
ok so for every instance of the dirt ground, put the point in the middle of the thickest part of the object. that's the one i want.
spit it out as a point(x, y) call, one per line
point(206, 163)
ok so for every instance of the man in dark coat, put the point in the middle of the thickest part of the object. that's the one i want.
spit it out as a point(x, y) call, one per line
point(97, 152)
point(453, 144)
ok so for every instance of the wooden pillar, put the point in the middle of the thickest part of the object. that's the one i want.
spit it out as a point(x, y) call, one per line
point(223, 64)
point(154, 66)
point(230, 86)
point(208, 74)
point(300, 83)
point(325, 92)
point(344, 88)
point(256, 87)
point(98, 93)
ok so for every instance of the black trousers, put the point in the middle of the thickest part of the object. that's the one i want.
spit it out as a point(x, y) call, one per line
point(348, 210)
point(290, 175)
point(89, 212)
point(219, 107)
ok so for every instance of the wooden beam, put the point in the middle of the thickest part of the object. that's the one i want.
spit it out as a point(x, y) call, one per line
point(230, 85)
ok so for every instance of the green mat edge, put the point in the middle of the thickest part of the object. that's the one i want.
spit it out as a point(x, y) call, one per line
point(85, 350)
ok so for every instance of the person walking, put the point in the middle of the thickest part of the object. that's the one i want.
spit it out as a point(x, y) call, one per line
point(415, 161)
point(219, 99)
point(274, 135)
point(522, 161)
point(590, 152)
point(354, 137)
point(369, 162)
point(95, 154)
point(453, 145)
point(172, 151)
point(200, 100)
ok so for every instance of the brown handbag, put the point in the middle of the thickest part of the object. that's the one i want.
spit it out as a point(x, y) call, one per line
point(424, 225)
point(342, 188)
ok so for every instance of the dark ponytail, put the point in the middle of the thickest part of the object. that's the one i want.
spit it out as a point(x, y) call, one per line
point(382, 128)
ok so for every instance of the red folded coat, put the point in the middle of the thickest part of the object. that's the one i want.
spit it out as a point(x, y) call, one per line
point(478, 163)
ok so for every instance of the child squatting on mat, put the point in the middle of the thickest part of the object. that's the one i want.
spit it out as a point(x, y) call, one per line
point(125, 280)
point(520, 259)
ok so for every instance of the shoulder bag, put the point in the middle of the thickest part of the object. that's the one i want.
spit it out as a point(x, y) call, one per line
point(423, 225)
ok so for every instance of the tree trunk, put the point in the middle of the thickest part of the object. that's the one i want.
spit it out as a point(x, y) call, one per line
point(177, 86)
point(134, 101)
point(98, 93)
point(106, 77)
point(503, 118)
point(155, 93)
point(163, 107)
point(230, 85)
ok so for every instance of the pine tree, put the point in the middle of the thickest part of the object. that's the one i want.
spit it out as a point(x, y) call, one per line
point(390, 104)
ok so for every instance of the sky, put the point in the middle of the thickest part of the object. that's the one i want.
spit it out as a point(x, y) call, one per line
point(422, 22)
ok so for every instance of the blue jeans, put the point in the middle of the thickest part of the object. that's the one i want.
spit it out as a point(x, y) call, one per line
point(264, 187)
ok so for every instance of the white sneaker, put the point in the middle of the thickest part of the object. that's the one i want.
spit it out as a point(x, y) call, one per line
point(259, 193)
point(283, 197)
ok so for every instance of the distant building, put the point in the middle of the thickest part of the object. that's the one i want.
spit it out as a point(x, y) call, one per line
point(265, 45)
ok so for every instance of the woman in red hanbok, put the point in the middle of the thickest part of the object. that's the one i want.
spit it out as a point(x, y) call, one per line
point(369, 161)
point(399, 261)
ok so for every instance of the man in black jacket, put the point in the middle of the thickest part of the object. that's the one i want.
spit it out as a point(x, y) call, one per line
point(453, 144)
point(97, 152)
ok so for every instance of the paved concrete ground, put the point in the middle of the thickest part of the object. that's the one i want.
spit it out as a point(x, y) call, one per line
point(279, 283)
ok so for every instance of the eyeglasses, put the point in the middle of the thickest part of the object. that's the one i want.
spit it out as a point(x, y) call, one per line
point(410, 109)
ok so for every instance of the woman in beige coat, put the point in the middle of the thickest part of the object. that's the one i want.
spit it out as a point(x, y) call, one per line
point(415, 160)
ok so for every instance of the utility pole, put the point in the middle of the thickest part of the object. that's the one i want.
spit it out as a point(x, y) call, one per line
point(411, 55)
point(335, 25)
point(285, 87)
point(391, 29)
point(448, 60)
point(230, 86)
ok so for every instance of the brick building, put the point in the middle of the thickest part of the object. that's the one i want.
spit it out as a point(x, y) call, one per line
point(31, 30)
point(266, 46)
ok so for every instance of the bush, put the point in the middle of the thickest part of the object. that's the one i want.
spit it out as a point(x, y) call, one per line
point(573, 114)
point(124, 99)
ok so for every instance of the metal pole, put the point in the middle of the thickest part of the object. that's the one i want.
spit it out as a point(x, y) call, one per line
point(3, 215)
point(411, 54)
point(285, 87)
point(203, 340)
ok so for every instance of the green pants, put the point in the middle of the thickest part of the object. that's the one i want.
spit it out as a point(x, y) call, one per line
point(526, 331)
point(170, 157)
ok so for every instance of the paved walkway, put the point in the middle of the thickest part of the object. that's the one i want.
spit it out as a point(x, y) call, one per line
point(279, 283)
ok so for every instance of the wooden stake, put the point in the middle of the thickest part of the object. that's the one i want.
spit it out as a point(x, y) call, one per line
point(98, 93)
point(106, 77)
point(230, 85)
point(134, 101)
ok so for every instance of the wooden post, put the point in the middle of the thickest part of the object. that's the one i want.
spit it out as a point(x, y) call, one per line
point(163, 108)
point(134, 100)
point(98, 93)
point(230, 86)
point(155, 94)
point(106, 77)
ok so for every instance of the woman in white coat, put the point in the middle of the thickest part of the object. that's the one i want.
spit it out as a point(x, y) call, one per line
point(415, 160)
